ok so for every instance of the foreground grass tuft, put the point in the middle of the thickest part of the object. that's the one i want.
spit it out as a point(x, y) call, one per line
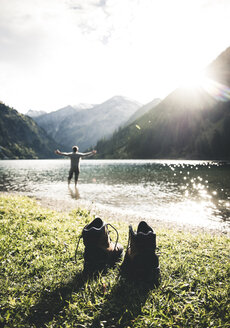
point(42, 286)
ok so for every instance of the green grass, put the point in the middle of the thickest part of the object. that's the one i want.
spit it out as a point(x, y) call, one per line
point(42, 286)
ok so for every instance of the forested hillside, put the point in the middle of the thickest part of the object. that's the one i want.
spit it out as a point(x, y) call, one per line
point(21, 137)
point(192, 123)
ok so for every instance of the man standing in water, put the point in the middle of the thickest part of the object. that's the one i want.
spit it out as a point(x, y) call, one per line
point(75, 158)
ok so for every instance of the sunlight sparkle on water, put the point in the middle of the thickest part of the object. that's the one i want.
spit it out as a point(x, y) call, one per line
point(154, 189)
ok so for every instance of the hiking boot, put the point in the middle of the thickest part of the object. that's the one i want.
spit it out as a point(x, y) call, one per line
point(100, 252)
point(140, 262)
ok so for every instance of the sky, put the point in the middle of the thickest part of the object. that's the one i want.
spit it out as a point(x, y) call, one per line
point(55, 53)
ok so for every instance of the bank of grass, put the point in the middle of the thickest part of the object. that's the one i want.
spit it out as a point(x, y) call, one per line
point(42, 286)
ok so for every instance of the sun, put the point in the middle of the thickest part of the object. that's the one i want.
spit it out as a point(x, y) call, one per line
point(198, 80)
point(194, 80)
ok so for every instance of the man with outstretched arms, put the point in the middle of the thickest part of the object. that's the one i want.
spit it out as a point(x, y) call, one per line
point(75, 158)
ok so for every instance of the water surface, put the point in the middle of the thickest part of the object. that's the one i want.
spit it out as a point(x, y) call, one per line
point(195, 192)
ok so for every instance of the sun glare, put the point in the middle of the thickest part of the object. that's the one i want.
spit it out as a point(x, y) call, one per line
point(220, 92)
point(215, 89)
point(194, 80)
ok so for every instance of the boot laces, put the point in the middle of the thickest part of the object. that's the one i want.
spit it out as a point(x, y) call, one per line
point(78, 242)
point(108, 224)
point(128, 246)
point(79, 238)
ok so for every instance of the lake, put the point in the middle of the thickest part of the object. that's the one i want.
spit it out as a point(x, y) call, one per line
point(194, 192)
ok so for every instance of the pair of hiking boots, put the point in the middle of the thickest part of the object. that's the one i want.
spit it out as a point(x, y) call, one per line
point(140, 262)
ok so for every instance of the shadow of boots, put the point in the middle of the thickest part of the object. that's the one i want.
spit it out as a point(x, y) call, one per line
point(51, 303)
point(123, 305)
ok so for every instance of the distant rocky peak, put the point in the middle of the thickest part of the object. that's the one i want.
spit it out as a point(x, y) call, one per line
point(122, 99)
point(35, 113)
point(82, 106)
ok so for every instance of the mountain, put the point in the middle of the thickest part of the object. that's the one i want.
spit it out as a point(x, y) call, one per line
point(189, 123)
point(142, 110)
point(219, 69)
point(52, 122)
point(21, 137)
point(35, 113)
point(83, 106)
point(84, 127)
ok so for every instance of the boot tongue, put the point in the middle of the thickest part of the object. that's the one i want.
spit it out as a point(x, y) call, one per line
point(144, 227)
point(96, 224)
point(95, 234)
point(145, 237)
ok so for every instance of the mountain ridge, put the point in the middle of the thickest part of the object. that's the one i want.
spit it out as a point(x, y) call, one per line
point(188, 123)
point(85, 127)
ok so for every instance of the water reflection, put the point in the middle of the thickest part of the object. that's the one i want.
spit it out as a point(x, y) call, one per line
point(186, 191)
point(74, 193)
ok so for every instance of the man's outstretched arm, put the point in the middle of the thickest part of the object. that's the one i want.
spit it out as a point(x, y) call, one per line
point(90, 153)
point(58, 152)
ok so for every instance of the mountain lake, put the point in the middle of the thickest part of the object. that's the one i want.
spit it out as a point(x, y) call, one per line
point(182, 191)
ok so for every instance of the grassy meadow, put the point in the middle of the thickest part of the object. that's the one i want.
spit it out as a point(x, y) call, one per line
point(42, 286)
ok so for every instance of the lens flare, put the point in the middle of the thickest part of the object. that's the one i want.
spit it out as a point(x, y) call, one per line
point(218, 91)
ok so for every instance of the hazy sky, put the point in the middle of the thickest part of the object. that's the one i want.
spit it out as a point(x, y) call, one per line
point(59, 52)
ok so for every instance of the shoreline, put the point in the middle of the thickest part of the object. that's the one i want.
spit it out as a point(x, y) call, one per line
point(111, 215)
